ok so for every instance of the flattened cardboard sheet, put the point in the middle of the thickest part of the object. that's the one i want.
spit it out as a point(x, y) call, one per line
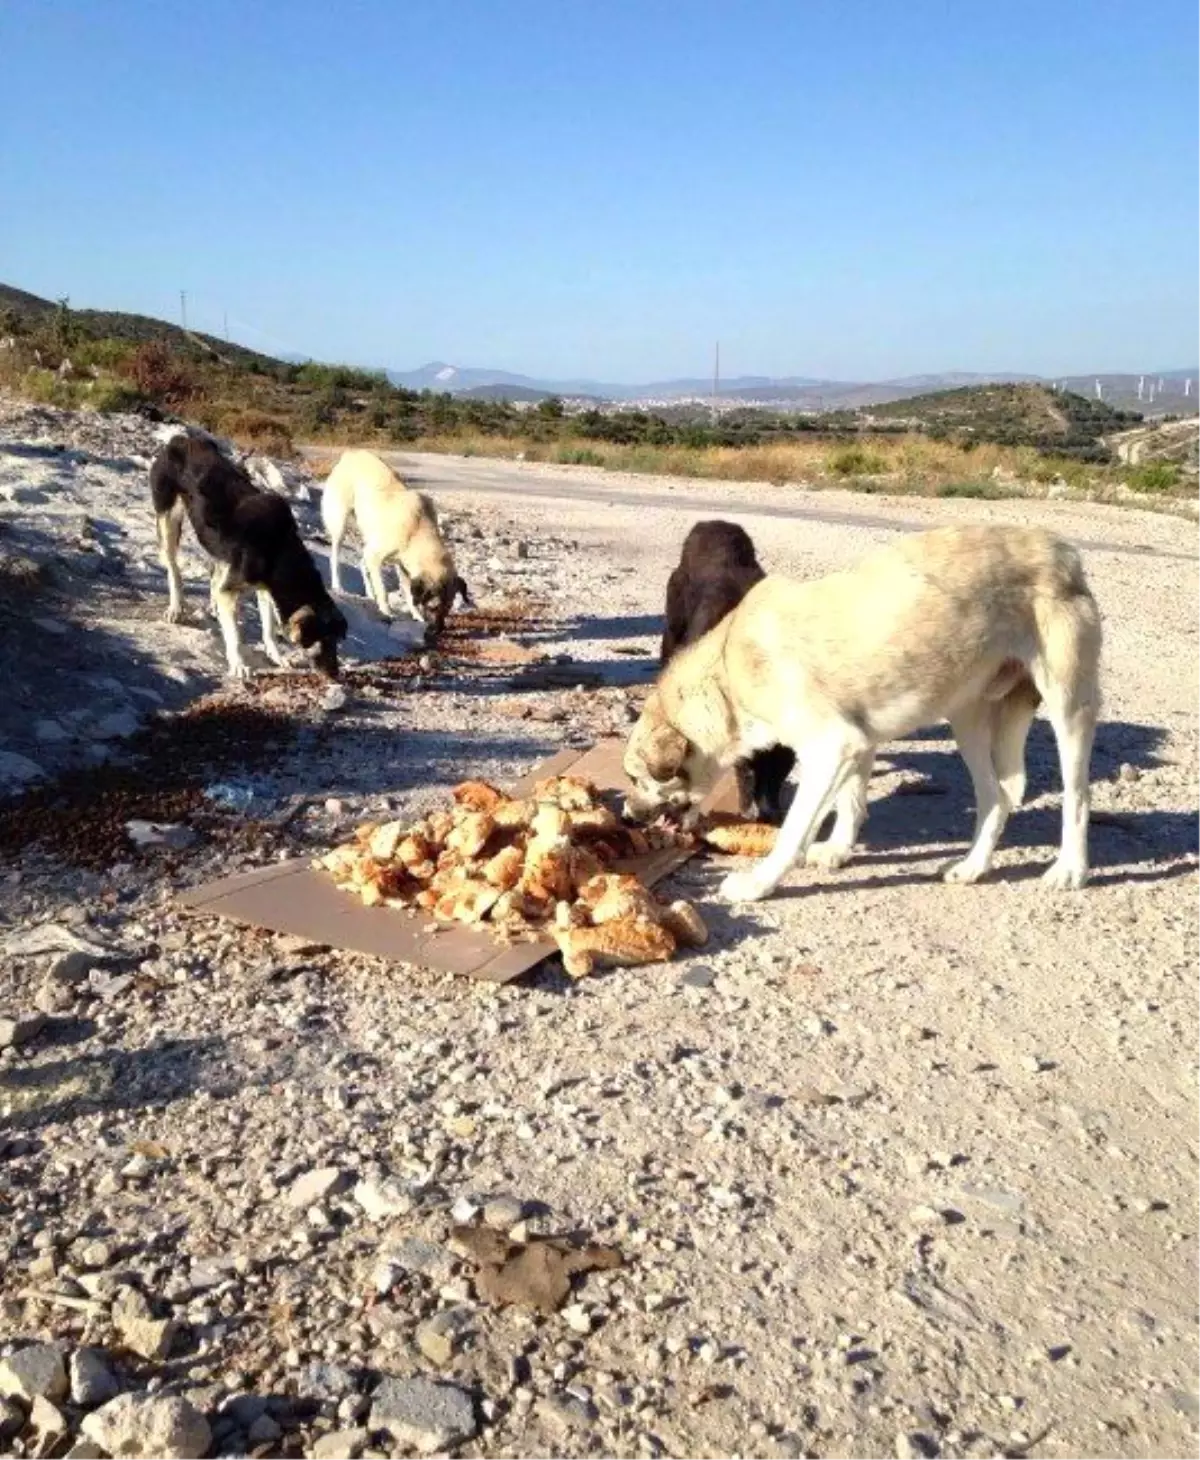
point(295, 897)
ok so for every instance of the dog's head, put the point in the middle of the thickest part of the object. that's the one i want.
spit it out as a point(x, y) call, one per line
point(318, 631)
point(668, 772)
point(433, 599)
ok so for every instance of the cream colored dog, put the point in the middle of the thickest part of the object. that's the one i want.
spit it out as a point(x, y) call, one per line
point(972, 625)
point(398, 526)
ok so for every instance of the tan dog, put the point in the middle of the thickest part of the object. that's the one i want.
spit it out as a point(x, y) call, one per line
point(398, 526)
point(971, 625)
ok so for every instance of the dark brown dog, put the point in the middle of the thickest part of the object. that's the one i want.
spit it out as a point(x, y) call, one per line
point(717, 568)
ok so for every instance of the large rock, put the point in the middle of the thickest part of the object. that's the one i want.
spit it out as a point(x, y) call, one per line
point(341, 1444)
point(149, 1425)
point(424, 1414)
point(32, 1371)
point(141, 1331)
point(313, 1186)
point(92, 1381)
point(381, 1199)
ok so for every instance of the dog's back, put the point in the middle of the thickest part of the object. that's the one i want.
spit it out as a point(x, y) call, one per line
point(717, 568)
point(226, 509)
point(915, 628)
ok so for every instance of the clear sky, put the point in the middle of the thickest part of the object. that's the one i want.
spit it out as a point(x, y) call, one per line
point(602, 188)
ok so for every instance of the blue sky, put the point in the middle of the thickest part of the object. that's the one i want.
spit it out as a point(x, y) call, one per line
point(564, 187)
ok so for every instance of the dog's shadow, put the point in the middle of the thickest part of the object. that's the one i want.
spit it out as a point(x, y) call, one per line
point(931, 821)
point(631, 626)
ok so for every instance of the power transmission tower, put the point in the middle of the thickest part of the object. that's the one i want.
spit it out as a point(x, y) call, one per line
point(225, 326)
point(183, 307)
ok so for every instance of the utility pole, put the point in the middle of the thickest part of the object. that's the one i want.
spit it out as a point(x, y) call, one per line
point(716, 377)
point(225, 326)
point(183, 307)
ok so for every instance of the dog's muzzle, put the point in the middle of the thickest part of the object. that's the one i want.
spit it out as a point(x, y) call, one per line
point(642, 805)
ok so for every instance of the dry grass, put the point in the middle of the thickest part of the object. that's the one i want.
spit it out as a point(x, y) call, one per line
point(906, 464)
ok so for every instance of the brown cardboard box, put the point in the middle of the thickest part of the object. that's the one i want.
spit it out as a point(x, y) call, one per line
point(295, 897)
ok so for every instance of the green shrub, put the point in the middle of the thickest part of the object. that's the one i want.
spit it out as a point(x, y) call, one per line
point(974, 489)
point(578, 456)
point(111, 396)
point(856, 461)
point(49, 389)
point(1154, 476)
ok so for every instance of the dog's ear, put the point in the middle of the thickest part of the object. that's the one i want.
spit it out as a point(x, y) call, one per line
point(302, 627)
point(666, 751)
point(460, 587)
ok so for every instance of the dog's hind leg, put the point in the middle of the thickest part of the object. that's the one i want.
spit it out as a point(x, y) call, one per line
point(1013, 717)
point(974, 729)
point(850, 808)
point(335, 512)
point(1067, 674)
point(226, 599)
point(1074, 730)
point(169, 527)
point(269, 623)
point(825, 765)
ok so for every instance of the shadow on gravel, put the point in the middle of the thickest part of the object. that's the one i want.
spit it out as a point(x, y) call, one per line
point(47, 1094)
point(64, 670)
point(926, 823)
point(380, 760)
point(637, 626)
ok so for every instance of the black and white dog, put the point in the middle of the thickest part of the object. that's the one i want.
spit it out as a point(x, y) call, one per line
point(254, 542)
point(716, 570)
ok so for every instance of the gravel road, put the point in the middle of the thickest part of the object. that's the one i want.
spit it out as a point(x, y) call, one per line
point(897, 1168)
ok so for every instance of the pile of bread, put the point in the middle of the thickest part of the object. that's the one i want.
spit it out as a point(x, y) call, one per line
point(526, 866)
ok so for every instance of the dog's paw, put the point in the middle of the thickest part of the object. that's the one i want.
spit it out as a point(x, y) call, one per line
point(1064, 876)
point(827, 855)
point(175, 614)
point(240, 670)
point(963, 873)
point(743, 887)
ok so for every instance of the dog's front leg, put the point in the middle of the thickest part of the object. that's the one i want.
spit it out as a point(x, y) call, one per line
point(410, 602)
point(372, 571)
point(825, 768)
point(226, 601)
point(850, 812)
point(269, 623)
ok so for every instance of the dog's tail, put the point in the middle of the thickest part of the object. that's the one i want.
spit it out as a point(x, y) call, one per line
point(337, 499)
point(165, 473)
point(1067, 665)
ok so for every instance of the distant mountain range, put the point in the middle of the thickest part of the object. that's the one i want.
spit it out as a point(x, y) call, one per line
point(1161, 391)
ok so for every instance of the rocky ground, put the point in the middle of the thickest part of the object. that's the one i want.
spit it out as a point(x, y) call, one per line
point(893, 1168)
